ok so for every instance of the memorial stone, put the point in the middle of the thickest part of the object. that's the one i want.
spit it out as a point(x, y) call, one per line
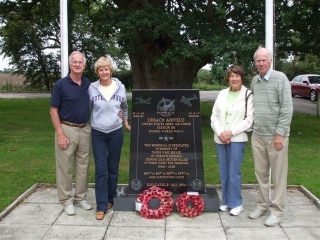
point(166, 141)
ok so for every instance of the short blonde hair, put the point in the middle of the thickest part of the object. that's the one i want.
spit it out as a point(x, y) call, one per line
point(103, 62)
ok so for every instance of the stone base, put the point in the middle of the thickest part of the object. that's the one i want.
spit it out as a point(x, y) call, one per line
point(126, 202)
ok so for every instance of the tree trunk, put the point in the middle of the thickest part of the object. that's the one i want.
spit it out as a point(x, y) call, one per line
point(147, 76)
point(146, 50)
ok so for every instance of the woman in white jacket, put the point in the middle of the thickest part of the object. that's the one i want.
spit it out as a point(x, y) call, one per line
point(231, 117)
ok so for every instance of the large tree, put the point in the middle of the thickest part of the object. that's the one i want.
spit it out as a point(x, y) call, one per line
point(167, 41)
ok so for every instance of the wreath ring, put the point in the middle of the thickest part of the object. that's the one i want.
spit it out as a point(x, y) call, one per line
point(188, 211)
point(166, 203)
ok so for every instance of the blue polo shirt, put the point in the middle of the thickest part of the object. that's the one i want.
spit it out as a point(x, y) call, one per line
point(71, 100)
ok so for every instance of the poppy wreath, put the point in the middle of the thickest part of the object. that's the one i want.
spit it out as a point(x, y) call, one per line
point(166, 203)
point(190, 211)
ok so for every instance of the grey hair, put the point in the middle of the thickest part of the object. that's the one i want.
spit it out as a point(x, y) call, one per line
point(74, 52)
point(265, 49)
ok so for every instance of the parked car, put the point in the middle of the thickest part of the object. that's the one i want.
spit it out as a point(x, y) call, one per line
point(306, 85)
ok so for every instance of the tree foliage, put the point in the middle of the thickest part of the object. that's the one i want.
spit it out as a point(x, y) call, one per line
point(31, 37)
point(309, 64)
point(26, 40)
point(167, 41)
point(298, 33)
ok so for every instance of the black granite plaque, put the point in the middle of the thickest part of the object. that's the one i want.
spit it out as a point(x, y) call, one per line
point(166, 141)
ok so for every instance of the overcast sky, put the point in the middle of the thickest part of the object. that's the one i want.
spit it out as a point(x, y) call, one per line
point(4, 63)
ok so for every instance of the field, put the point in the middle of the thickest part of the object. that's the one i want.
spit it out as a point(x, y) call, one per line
point(6, 78)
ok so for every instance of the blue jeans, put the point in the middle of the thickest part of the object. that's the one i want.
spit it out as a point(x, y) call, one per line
point(230, 157)
point(106, 149)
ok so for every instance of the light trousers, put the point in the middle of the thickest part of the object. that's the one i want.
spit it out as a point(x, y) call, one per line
point(73, 161)
point(230, 157)
point(266, 157)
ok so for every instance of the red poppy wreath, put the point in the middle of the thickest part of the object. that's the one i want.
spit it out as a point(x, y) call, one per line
point(190, 211)
point(166, 203)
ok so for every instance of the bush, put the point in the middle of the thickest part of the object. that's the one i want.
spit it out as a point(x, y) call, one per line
point(126, 77)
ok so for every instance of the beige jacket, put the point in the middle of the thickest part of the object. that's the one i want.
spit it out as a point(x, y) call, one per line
point(235, 120)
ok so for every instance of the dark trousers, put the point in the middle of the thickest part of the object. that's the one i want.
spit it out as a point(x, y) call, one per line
point(106, 149)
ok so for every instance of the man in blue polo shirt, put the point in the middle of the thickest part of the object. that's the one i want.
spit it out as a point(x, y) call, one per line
point(70, 114)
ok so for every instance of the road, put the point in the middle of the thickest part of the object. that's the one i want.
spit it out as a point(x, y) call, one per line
point(300, 104)
point(304, 105)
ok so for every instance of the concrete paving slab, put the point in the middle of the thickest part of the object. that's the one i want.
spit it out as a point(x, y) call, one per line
point(301, 217)
point(50, 195)
point(302, 233)
point(39, 216)
point(74, 232)
point(34, 214)
point(249, 196)
point(43, 195)
point(143, 233)
point(83, 218)
point(22, 231)
point(193, 233)
point(297, 198)
point(242, 221)
point(256, 234)
point(134, 219)
point(205, 220)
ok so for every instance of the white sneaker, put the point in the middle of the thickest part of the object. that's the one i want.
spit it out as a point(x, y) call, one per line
point(223, 208)
point(70, 210)
point(83, 204)
point(236, 211)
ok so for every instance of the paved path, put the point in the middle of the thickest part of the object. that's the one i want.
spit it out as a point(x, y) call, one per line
point(300, 105)
point(25, 95)
point(205, 96)
point(40, 216)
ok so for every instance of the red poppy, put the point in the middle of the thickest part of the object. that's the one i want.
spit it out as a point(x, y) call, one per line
point(187, 211)
point(166, 203)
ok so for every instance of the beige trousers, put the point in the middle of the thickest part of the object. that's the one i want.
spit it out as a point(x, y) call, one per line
point(266, 157)
point(73, 161)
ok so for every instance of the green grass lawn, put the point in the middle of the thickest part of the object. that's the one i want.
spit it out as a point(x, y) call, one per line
point(27, 150)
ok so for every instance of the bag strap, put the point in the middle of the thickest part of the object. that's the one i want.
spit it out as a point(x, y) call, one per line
point(246, 103)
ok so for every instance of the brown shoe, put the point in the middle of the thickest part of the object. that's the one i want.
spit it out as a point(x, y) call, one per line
point(99, 215)
point(109, 206)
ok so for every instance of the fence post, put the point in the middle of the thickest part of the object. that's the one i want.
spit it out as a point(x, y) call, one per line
point(318, 103)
